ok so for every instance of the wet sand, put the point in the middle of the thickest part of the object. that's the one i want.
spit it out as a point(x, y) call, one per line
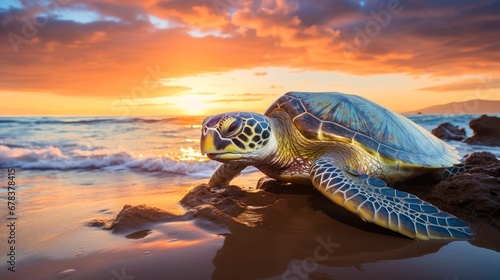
point(277, 232)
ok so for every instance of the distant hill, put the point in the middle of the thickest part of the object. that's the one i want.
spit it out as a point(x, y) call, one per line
point(476, 106)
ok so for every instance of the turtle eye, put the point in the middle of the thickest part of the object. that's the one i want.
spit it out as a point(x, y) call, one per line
point(231, 127)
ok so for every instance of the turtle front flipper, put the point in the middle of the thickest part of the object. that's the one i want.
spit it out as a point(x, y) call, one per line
point(373, 201)
point(224, 173)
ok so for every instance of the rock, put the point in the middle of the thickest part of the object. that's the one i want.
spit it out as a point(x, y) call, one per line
point(228, 207)
point(98, 223)
point(448, 131)
point(134, 217)
point(486, 131)
point(480, 158)
point(473, 196)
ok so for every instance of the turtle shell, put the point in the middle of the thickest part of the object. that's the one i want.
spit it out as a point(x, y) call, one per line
point(393, 138)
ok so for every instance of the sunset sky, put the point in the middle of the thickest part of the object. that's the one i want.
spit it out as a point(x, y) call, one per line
point(198, 57)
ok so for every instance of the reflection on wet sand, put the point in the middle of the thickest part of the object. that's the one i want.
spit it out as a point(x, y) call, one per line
point(295, 230)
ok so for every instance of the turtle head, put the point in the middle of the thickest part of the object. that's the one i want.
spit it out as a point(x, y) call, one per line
point(239, 136)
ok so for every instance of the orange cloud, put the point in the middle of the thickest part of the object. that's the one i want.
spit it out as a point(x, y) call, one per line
point(199, 17)
point(486, 84)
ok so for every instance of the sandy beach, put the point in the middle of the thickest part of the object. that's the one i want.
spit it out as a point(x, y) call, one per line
point(287, 232)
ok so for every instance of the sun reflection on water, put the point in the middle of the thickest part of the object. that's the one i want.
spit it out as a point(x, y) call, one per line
point(193, 126)
point(190, 154)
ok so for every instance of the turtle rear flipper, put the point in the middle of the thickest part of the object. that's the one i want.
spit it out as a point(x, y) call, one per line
point(453, 171)
point(374, 202)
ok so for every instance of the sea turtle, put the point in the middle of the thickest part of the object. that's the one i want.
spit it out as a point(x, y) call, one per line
point(347, 147)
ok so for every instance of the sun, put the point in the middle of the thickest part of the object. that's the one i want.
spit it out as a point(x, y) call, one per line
point(191, 105)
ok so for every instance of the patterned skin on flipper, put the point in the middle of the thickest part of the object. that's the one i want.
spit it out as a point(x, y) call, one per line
point(454, 171)
point(374, 202)
point(224, 174)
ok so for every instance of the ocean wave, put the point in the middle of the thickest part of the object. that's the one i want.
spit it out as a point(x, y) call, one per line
point(51, 121)
point(100, 120)
point(435, 119)
point(53, 158)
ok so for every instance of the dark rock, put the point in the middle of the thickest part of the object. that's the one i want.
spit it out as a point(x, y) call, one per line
point(228, 207)
point(134, 217)
point(471, 196)
point(98, 223)
point(486, 131)
point(480, 158)
point(448, 131)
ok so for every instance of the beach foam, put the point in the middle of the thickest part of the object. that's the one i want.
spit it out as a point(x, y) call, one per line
point(54, 158)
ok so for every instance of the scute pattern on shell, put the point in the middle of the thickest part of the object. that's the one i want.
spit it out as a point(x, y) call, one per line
point(333, 116)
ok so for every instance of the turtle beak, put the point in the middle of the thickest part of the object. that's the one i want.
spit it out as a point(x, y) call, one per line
point(217, 148)
point(207, 141)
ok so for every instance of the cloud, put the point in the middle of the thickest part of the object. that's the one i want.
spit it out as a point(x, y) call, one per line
point(160, 90)
point(278, 20)
point(163, 104)
point(231, 100)
point(483, 83)
point(112, 55)
point(111, 58)
point(195, 14)
point(252, 94)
